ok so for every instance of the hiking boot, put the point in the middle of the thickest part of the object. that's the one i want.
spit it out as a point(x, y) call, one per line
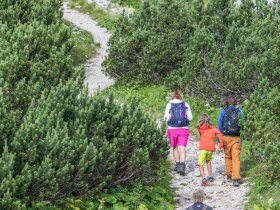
point(177, 166)
point(229, 178)
point(210, 179)
point(203, 183)
point(235, 183)
point(240, 181)
point(181, 169)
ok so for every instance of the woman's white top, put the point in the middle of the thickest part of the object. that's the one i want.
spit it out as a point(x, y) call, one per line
point(167, 114)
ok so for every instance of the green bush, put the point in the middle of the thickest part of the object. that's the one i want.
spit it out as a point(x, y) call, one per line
point(139, 195)
point(263, 192)
point(262, 127)
point(150, 44)
point(56, 141)
point(23, 11)
point(228, 53)
point(34, 56)
point(73, 144)
point(208, 48)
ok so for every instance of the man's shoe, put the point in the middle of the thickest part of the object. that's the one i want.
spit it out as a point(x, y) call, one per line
point(210, 178)
point(203, 183)
point(235, 183)
point(240, 181)
point(181, 169)
point(229, 178)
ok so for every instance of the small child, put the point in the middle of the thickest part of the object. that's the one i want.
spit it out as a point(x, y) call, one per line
point(207, 146)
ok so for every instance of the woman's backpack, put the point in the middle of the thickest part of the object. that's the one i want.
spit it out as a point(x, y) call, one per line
point(178, 115)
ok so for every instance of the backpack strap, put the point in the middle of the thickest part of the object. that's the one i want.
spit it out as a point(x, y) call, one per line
point(190, 208)
point(171, 106)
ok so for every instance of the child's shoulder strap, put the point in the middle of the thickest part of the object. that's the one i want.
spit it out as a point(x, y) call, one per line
point(204, 207)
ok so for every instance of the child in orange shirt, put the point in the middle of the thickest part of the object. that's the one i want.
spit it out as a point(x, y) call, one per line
point(207, 146)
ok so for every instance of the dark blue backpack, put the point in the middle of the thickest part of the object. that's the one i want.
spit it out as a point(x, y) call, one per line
point(178, 115)
point(230, 122)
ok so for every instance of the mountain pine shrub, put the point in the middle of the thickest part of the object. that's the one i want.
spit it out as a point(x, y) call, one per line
point(23, 11)
point(73, 144)
point(34, 56)
point(151, 43)
point(262, 127)
point(208, 48)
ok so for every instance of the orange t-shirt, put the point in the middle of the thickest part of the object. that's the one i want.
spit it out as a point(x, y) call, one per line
point(207, 138)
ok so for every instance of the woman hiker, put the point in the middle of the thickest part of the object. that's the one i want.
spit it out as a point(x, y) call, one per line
point(178, 114)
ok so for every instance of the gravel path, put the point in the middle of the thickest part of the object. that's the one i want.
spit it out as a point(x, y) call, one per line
point(94, 77)
point(101, 3)
point(220, 195)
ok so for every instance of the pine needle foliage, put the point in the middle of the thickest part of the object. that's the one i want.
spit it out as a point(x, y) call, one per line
point(73, 144)
point(262, 128)
point(150, 44)
point(208, 48)
point(56, 141)
point(34, 56)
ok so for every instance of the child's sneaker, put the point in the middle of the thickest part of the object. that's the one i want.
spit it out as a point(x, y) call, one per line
point(240, 181)
point(210, 179)
point(203, 183)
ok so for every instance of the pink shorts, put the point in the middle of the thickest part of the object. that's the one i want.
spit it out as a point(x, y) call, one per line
point(178, 137)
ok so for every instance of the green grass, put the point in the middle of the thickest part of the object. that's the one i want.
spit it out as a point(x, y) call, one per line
point(263, 194)
point(153, 99)
point(129, 3)
point(103, 17)
point(84, 46)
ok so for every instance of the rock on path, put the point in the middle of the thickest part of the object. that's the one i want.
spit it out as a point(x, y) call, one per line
point(94, 77)
point(220, 194)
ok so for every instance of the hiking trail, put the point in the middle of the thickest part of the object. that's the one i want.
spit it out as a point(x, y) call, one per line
point(94, 77)
point(219, 194)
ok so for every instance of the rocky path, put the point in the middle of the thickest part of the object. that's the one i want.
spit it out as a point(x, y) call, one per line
point(94, 77)
point(220, 195)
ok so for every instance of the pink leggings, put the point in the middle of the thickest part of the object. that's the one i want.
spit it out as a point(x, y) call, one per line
point(178, 137)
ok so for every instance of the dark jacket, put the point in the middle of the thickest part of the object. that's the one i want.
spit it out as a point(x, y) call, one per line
point(199, 206)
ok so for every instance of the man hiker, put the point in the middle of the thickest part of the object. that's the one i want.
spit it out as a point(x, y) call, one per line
point(229, 126)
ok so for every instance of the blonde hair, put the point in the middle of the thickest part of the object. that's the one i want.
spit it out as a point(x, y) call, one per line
point(204, 120)
point(198, 196)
